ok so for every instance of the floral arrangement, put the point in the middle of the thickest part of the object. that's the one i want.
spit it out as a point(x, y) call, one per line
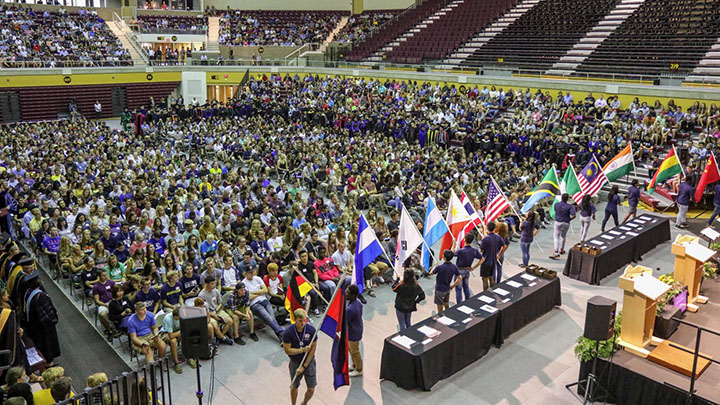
point(676, 288)
point(709, 270)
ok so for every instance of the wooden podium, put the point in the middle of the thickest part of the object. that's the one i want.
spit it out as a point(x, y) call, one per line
point(690, 256)
point(640, 295)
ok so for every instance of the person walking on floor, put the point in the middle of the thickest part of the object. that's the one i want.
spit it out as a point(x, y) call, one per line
point(587, 214)
point(465, 258)
point(298, 339)
point(685, 194)
point(354, 314)
point(564, 213)
point(492, 247)
point(633, 199)
point(528, 229)
point(445, 274)
point(408, 295)
point(716, 203)
point(612, 207)
point(502, 230)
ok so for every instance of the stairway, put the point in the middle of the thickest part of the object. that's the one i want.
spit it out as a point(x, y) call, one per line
point(708, 70)
point(491, 31)
point(213, 34)
point(341, 24)
point(119, 28)
point(9, 107)
point(379, 54)
point(580, 51)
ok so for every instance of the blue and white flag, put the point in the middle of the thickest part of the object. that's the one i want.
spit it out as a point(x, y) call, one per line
point(368, 248)
point(434, 229)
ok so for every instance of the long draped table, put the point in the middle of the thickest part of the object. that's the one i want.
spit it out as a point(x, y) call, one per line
point(429, 360)
point(620, 246)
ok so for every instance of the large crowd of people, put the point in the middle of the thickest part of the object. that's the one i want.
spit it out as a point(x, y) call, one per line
point(35, 38)
point(360, 26)
point(172, 24)
point(254, 28)
point(218, 205)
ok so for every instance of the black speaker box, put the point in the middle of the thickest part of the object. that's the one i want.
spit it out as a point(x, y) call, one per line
point(194, 332)
point(599, 318)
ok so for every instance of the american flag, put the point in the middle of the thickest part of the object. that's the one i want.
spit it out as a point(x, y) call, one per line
point(497, 203)
point(592, 177)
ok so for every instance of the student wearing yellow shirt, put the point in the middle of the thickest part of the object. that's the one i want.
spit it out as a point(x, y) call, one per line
point(50, 375)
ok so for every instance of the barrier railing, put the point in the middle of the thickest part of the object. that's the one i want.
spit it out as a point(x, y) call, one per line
point(149, 384)
point(120, 23)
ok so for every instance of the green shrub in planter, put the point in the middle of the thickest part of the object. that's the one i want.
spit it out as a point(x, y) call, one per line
point(585, 348)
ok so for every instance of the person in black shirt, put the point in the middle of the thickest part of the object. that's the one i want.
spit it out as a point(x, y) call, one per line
point(307, 268)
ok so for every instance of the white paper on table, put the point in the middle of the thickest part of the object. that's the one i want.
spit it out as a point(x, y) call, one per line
point(428, 331)
point(403, 341)
point(532, 284)
point(505, 300)
point(466, 320)
point(426, 341)
point(632, 234)
point(630, 224)
point(445, 321)
point(616, 233)
point(514, 284)
point(501, 291)
point(486, 299)
point(710, 233)
point(608, 237)
point(465, 310)
point(650, 287)
point(639, 221)
point(698, 252)
point(625, 228)
point(597, 242)
point(622, 237)
point(528, 277)
point(488, 308)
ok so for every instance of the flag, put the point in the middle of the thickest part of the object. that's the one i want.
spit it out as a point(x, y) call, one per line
point(548, 187)
point(475, 220)
point(496, 202)
point(456, 219)
point(569, 184)
point(668, 168)
point(297, 289)
point(592, 178)
point(710, 175)
point(620, 165)
point(334, 325)
point(409, 239)
point(367, 249)
point(434, 229)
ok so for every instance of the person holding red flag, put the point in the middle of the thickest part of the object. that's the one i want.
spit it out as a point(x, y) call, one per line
point(710, 175)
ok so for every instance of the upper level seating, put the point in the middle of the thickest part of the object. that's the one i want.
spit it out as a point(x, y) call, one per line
point(33, 38)
point(658, 34)
point(359, 26)
point(284, 28)
point(172, 24)
point(450, 30)
point(544, 34)
point(397, 27)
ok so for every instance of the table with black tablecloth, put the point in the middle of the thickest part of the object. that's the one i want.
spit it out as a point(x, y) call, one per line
point(629, 242)
point(470, 337)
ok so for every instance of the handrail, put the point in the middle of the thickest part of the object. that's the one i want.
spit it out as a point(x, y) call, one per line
point(296, 53)
point(382, 26)
point(120, 23)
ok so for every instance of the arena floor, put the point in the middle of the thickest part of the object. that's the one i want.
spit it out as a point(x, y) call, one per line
point(532, 367)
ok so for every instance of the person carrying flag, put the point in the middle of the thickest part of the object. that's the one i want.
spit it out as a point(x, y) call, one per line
point(564, 213)
point(353, 313)
point(633, 196)
point(465, 258)
point(685, 194)
point(300, 342)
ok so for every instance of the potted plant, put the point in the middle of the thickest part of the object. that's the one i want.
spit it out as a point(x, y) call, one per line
point(665, 325)
point(710, 270)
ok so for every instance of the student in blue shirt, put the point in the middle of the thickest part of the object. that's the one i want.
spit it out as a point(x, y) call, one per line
point(353, 312)
point(633, 198)
point(564, 213)
point(611, 207)
point(587, 213)
point(445, 274)
point(716, 203)
point(685, 194)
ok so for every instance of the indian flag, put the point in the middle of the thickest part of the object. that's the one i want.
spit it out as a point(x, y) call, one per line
point(620, 165)
point(668, 168)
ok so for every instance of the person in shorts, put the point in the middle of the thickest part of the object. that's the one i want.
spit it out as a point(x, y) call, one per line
point(445, 273)
point(144, 334)
point(238, 306)
point(300, 339)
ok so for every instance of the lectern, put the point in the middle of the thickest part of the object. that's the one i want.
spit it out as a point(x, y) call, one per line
point(640, 295)
point(690, 256)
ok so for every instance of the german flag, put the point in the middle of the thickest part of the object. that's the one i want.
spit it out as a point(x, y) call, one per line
point(297, 289)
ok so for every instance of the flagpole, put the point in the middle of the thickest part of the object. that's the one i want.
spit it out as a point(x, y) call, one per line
point(421, 235)
point(382, 247)
point(441, 218)
point(292, 383)
point(474, 209)
point(311, 285)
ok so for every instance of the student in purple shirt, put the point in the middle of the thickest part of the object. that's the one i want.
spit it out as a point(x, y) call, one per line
point(716, 203)
point(445, 274)
point(465, 258)
point(492, 247)
point(353, 312)
point(528, 229)
point(587, 213)
point(633, 197)
point(685, 194)
point(564, 213)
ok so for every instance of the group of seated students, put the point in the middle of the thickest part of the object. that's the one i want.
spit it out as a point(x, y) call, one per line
point(42, 38)
point(277, 28)
point(172, 24)
point(359, 26)
point(186, 207)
